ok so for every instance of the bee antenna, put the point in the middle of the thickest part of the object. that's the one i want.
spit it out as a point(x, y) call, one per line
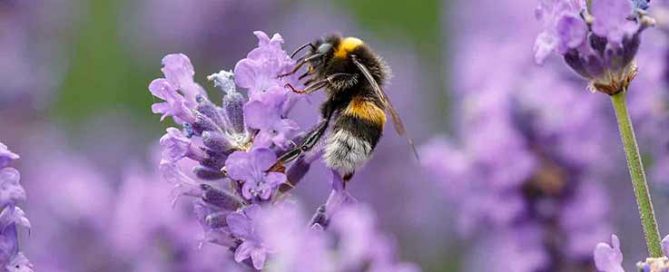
point(301, 48)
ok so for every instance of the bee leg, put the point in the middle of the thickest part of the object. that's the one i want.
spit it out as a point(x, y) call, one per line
point(348, 177)
point(314, 86)
point(307, 144)
point(309, 89)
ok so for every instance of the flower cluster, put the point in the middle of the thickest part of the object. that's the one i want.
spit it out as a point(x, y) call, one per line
point(609, 257)
point(598, 42)
point(235, 147)
point(11, 192)
point(234, 144)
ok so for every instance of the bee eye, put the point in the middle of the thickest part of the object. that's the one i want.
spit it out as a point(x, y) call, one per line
point(324, 48)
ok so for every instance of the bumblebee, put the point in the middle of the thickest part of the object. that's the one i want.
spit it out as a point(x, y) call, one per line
point(352, 76)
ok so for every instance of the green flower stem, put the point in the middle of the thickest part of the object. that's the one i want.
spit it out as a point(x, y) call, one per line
point(638, 176)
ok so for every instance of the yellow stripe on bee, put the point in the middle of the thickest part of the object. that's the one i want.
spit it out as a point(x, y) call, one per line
point(347, 45)
point(367, 110)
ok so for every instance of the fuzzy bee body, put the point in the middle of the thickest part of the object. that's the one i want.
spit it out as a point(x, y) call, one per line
point(352, 76)
point(356, 132)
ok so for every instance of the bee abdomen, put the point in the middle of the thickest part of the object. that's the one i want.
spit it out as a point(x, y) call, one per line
point(351, 143)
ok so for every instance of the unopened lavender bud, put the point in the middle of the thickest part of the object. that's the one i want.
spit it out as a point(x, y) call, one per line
point(233, 104)
point(220, 198)
point(214, 159)
point(233, 101)
point(216, 141)
point(203, 123)
point(210, 110)
point(216, 220)
point(207, 173)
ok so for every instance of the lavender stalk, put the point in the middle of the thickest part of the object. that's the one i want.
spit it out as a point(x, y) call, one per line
point(637, 174)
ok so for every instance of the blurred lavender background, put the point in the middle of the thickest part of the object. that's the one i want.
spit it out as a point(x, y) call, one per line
point(521, 179)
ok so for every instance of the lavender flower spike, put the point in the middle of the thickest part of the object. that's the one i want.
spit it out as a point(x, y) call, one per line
point(230, 148)
point(11, 192)
point(599, 44)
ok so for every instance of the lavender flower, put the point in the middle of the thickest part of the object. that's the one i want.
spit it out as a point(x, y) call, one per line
point(609, 258)
point(11, 216)
point(242, 225)
point(265, 115)
point(234, 145)
point(177, 89)
point(599, 44)
point(250, 168)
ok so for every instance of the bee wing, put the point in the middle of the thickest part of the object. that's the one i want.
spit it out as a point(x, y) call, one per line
point(397, 121)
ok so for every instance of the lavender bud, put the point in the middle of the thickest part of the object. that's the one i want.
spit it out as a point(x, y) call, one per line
point(210, 110)
point(203, 123)
point(216, 141)
point(233, 104)
point(214, 159)
point(207, 173)
point(219, 198)
point(216, 220)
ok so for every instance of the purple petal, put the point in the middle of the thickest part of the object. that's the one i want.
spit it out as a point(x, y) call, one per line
point(263, 158)
point(611, 19)
point(263, 39)
point(259, 115)
point(258, 257)
point(161, 88)
point(243, 252)
point(178, 69)
point(6, 156)
point(239, 166)
point(11, 190)
point(245, 73)
point(239, 225)
point(247, 190)
point(175, 144)
point(572, 32)
point(274, 179)
point(608, 258)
